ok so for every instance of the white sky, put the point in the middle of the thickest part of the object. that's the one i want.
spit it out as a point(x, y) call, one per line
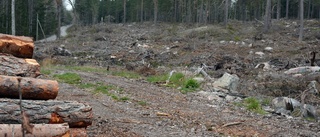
point(67, 4)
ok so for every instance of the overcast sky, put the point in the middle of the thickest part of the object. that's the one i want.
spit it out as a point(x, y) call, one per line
point(67, 4)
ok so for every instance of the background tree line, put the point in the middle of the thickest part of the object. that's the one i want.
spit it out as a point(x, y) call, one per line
point(87, 12)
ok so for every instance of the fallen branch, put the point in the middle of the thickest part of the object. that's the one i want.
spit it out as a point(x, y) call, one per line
point(201, 70)
point(231, 124)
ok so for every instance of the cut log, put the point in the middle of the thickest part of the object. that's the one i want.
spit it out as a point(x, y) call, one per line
point(49, 112)
point(18, 46)
point(31, 88)
point(43, 130)
point(13, 66)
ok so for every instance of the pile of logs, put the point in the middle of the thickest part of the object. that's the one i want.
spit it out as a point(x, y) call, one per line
point(37, 114)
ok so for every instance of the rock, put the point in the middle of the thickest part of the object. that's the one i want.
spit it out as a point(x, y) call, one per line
point(230, 98)
point(199, 79)
point(285, 103)
point(312, 86)
point(61, 51)
point(268, 48)
point(261, 54)
point(302, 70)
point(309, 111)
point(222, 42)
point(228, 82)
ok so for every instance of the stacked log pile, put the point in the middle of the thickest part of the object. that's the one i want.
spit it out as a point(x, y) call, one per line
point(37, 114)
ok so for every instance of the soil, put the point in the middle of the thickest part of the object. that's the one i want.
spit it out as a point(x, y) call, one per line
point(164, 47)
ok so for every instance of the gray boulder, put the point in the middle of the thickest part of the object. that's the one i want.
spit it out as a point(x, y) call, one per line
point(228, 82)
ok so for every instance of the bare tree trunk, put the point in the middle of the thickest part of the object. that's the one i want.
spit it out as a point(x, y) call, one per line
point(301, 20)
point(226, 12)
point(155, 2)
point(59, 4)
point(13, 18)
point(287, 9)
point(309, 9)
point(189, 13)
point(30, 16)
point(278, 9)
point(74, 11)
point(141, 14)
point(206, 12)
point(124, 11)
point(267, 21)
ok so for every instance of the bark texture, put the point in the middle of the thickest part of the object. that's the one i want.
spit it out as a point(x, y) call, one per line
point(49, 112)
point(18, 46)
point(43, 130)
point(13, 66)
point(31, 88)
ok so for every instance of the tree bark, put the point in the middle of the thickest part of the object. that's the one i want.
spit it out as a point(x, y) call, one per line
point(124, 11)
point(226, 12)
point(278, 9)
point(77, 115)
point(59, 4)
point(301, 21)
point(31, 88)
point(267, 20)
point(30, 16)
point(13, 18)
point(141, 14)
point(155, 2)
point(43, 130)
point(18, 46)
point(13, 66)
point(287, 9)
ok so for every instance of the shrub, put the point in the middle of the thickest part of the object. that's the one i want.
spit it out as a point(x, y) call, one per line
point(254, 105)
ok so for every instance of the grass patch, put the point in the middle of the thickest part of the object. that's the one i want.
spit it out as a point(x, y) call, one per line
point(70, 78)
point(124, 99)
point(142, 103)
point(87, 85)
point(87, 69)
point(254, 105)
point(157, 78)
point(113, 96)
point(126, 74)
point(104, 89)
point(45, 71)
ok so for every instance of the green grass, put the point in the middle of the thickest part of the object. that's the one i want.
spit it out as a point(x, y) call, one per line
point(254, 105)
point(87, 85)
point(45, 71)
point(87, 69)
point(142, 103)
point(126, 74)
point(177, 78)
point(124, 99)
point(157, 78)
point(70, 78)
